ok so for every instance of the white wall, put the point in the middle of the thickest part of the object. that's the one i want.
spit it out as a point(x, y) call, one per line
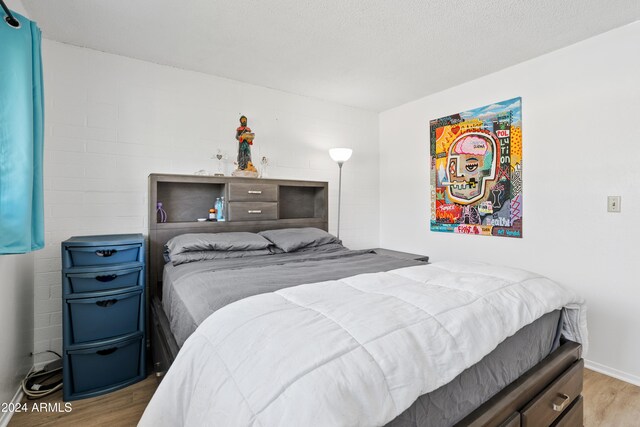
point(111, 121)
point(16, 312)
point(581, 142)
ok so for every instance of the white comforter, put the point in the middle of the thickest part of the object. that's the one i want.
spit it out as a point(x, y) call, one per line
point(356, 351)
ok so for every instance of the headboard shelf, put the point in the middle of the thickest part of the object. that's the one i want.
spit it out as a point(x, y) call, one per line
point(185, 201)
point(222, 226)
point(301, 202)
point(256, 205)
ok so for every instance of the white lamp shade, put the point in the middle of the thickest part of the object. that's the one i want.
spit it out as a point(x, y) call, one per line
point(340, 155)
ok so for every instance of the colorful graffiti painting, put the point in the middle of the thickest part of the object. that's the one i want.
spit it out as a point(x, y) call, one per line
point(476, 171)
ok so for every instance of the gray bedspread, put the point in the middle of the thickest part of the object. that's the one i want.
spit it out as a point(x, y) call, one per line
point(191, 292)
point(513, 357)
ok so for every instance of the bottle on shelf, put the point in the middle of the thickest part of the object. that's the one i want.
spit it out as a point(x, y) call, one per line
point(221, 209)
point(213, 214)
point(216, 206)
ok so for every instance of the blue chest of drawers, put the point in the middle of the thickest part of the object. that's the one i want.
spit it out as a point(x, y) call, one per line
point(103, 308)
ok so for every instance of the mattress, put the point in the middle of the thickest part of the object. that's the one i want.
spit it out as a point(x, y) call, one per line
point(191, 292)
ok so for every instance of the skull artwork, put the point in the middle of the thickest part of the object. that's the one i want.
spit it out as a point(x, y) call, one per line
point(471, 162)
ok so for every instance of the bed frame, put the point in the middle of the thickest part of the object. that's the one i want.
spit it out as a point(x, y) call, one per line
point(548, 394)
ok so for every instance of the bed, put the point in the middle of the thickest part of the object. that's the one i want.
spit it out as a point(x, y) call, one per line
point(504, 384)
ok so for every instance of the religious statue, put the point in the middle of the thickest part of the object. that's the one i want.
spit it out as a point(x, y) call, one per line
point(245, 141)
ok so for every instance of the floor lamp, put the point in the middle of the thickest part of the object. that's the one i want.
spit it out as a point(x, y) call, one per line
point(340, 155)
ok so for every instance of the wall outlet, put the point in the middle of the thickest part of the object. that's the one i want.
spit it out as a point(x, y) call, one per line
point(613, 204)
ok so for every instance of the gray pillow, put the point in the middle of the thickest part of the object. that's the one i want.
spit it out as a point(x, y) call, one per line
point(292, 239)
point(185, 257)
point(236, 241)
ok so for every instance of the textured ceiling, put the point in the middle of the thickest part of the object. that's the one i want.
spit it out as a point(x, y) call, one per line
point(372, 54)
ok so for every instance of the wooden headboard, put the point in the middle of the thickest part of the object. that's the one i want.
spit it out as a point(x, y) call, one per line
point(250, 205)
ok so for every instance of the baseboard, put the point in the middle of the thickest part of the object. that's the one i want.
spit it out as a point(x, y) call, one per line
point(6, 416)
point(603, 369)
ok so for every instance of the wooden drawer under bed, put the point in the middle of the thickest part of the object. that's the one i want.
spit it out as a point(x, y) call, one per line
point(554, 400)
point(546, 395)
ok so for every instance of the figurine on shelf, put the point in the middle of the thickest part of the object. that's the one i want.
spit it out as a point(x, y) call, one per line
point(220, 156)
point(161, 213)
point(263, 169)
point(245, 139)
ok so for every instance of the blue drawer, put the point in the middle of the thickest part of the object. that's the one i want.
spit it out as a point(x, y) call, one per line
point(103, 366)
point(93, 319)
point(103, 280)
point(102, 255)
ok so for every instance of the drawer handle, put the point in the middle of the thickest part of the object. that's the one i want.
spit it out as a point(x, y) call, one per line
point(105, 279)
point(254, 191)
point(106, 302)
point(564, 399)
point(106, 252)
point(106, 351)
point(254, 211)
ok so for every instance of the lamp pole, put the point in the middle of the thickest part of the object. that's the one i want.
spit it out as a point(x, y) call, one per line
point(340, 155)
point(339, 195)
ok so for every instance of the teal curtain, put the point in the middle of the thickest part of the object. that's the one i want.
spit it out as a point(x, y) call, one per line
point(21, 138)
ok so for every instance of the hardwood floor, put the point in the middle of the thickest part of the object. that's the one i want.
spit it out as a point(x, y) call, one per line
point(120, 408)
point(608, 403)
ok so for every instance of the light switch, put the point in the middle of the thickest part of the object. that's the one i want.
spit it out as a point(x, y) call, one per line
point(613, 204)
